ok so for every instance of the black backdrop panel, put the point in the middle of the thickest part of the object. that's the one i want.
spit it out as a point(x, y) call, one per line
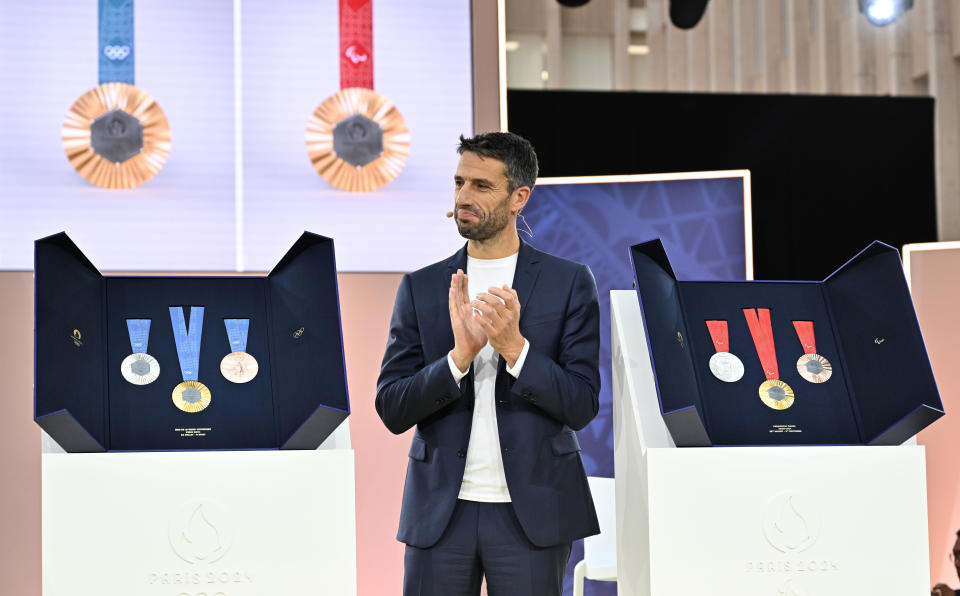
point(829, 174)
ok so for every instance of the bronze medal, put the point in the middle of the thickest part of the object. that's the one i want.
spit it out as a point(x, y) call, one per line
point(239, 367)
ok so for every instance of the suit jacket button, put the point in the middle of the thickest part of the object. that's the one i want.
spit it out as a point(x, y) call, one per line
point(461, 453)
point(438, 402)
point(501, 403)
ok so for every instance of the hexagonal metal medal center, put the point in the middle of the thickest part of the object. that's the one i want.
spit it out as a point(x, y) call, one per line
point(357, 140)
point(116, 136)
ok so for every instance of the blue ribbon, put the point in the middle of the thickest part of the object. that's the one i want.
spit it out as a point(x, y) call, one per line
point(115, 41)
point(139, 330)
point(188, 342)
point(237, 331)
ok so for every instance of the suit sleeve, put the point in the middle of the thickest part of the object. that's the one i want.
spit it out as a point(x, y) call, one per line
point(409, 389)
point(568, 389)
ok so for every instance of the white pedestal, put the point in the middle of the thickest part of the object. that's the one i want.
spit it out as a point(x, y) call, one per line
point(242, 523)
point(772, 521)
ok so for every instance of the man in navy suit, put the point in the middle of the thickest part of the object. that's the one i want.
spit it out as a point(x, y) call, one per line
point(493, 355)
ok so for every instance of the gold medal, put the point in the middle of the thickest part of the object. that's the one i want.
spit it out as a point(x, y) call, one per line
point(191, 396)
point(776, 394)
point(357, 140)
point(116, 136)
point(239, 367)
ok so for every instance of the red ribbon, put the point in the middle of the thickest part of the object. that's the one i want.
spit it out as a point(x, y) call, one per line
point(806, 335)
point(356, 43)
point(762, 331)
point(719, 335)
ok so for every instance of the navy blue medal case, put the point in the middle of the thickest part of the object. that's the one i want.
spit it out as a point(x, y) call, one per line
point(882, 390)
point(297, 399)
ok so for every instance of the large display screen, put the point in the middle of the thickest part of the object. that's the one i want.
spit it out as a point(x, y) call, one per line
point(237, 90)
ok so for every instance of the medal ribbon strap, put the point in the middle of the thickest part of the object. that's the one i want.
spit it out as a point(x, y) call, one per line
point(806, 335)
point(139, 330)
point(115, 41)
point(356, 43)
point(719, 335)
point(237, 331)
point(188, 342)
point(758, 320)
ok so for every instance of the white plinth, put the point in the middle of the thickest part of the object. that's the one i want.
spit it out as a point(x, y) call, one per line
point(772, 521)
point(244, 523)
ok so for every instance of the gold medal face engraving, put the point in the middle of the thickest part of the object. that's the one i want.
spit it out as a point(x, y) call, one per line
point(726, 367)
point(370, 133)
point(239, 367)
point(116, 136)
point(814, 368)
point(776, 394)
point(191, 396)
point(140, 369)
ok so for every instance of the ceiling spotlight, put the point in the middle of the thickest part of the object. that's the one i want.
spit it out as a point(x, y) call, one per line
point(883, 12)
point(573, 3)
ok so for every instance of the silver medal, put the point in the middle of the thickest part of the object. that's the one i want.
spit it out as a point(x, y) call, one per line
point(726, 367)
point(140, 368)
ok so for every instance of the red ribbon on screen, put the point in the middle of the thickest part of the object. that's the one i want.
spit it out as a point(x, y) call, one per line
point(719, 335)
point(806, 335)
point(758, 320)
point(356, 43)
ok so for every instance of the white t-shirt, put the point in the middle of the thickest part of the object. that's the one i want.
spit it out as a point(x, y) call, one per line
point(483, 477)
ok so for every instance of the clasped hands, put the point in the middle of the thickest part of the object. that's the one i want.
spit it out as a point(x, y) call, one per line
point(493, 316)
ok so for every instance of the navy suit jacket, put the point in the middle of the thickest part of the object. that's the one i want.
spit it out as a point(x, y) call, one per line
point(556, 393)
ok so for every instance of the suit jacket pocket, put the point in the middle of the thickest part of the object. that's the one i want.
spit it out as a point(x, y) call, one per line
point(540, 319)
point(418, 449)
point(565, 442)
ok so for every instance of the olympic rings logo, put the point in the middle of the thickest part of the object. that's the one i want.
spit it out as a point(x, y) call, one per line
point(116, 52)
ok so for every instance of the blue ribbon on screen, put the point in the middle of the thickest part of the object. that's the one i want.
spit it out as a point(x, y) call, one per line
point(237, 331)
point(115, 41)
point(139, 330)
point(188, 341)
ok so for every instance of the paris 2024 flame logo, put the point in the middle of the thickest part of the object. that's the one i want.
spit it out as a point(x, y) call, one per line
point(791, 522)
point(200, 532)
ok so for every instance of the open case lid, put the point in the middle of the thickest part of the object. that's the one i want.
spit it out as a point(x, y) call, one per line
point(883, 347)
point(307, 343)
point(674, 373)
point(69, 302)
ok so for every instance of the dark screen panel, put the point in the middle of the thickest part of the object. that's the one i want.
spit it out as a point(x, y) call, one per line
point(829, 174)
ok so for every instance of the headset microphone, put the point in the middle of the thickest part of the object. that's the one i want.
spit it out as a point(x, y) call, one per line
point(449, 213)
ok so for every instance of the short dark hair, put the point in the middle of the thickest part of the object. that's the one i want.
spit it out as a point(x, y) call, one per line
point(514, 151)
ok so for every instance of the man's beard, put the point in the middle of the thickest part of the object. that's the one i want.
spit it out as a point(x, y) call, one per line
point(489, 224)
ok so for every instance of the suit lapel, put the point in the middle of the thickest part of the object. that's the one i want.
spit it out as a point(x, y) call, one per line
point(525, 277)
point(457, 261)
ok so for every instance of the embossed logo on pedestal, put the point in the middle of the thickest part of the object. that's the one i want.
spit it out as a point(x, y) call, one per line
point(200, 532)
point(791, 522)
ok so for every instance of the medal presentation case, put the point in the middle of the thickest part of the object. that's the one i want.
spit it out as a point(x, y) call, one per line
point(243, 362)
point(872, 383)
